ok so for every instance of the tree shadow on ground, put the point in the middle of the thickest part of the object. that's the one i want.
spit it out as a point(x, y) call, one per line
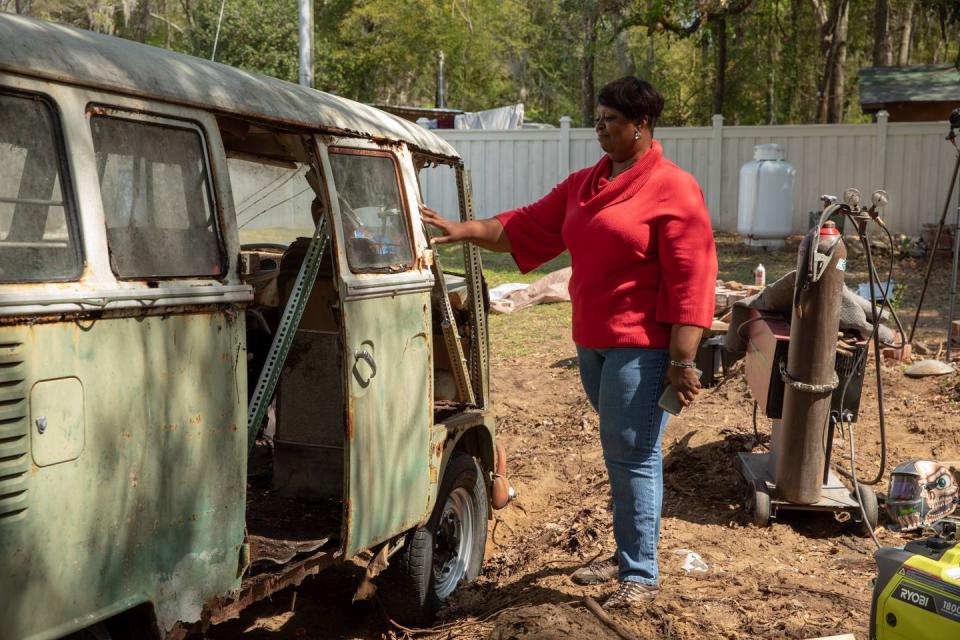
point(484, 600)
point(329, 614)
point(332, 614)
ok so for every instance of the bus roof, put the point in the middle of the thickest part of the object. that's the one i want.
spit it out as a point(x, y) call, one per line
point(65, 54)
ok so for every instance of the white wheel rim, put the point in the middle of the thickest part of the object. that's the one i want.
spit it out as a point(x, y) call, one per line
point(453, 542)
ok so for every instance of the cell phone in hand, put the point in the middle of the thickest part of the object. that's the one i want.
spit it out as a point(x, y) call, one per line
point(669, 401)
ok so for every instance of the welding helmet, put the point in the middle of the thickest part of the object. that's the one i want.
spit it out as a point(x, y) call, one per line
point(921, 492)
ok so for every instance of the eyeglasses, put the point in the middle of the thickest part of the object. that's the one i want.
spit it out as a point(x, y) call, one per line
point(606, 119)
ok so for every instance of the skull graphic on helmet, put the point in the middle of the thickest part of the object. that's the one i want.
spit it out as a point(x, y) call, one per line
point(921, 491)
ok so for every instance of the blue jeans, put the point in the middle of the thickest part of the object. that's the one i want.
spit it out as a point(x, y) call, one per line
point(623, 385)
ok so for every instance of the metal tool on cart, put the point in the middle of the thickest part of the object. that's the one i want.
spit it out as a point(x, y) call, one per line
point(808, 388)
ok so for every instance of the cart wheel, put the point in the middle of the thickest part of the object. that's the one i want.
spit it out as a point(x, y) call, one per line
point(871, 508)
point(758, 505)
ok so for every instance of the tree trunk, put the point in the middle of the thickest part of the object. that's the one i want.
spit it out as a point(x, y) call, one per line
point(791, 80)
point(837, 77)
point(187, 11)
point(720, 74)
point(625, 62)
point(906, 34)
point(651, 60)
point(830, 47)
point(588, 91)
point(771, 74)
point(141, 21)
point(882, 47)
point(167, 41)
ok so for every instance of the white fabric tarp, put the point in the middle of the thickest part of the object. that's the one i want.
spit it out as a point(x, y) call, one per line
point(550, 288)
point(510, 117)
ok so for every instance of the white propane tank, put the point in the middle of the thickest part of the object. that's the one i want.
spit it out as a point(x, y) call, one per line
point(765, 206)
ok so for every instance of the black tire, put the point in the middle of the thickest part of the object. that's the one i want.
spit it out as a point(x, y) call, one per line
point(444, 553)
point(871, 509)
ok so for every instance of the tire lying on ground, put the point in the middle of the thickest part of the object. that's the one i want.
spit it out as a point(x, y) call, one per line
point(447, 551)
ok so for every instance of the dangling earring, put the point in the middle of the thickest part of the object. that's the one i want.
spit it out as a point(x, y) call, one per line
point(636, 134)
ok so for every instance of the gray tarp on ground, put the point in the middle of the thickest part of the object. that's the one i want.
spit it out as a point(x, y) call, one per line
point(778, 298)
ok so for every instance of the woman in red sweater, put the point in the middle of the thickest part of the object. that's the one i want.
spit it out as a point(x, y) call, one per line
point(642, 290)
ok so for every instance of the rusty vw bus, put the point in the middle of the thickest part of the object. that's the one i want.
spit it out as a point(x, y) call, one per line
point(152, 335)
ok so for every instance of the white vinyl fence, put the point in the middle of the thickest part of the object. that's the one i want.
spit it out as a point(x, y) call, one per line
point(912, 161)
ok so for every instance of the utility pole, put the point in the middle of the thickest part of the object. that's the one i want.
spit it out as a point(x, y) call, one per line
point(306, 42)
point(441, 100)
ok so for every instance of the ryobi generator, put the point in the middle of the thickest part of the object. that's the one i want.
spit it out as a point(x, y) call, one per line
point(917, 591)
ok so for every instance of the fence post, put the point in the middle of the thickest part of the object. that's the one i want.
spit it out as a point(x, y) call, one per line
point(716, 170)
point(563, 158)
point(880, 151)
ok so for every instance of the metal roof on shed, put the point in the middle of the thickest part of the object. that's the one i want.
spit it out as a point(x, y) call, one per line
point(56, 52)
point(914, 83)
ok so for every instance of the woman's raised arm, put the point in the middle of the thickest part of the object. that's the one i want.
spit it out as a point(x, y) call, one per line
point(487, 234)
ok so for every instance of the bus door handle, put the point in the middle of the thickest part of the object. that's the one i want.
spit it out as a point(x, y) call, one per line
point(363, 354)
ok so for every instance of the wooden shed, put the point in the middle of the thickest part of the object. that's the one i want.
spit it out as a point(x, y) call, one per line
point(914, 93)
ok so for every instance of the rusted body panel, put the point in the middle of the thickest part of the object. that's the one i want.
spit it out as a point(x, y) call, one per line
point(147, 502)
point(471, 431)
point(390, 417)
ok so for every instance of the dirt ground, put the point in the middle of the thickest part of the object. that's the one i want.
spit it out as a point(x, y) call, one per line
point(805, 576)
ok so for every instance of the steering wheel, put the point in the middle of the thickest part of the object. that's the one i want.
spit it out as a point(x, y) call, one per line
point(263, 246)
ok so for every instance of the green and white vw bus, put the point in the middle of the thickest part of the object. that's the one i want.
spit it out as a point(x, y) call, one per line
point(168, 305)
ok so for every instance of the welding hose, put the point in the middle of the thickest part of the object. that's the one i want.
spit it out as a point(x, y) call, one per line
point(875, 338)
point(856, 486)
point(885, 300)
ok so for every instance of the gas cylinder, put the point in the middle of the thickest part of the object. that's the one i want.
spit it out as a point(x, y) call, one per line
point(810, 375)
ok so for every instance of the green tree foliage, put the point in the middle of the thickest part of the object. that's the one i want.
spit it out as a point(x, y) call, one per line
point(755, 61)
point(386, 50)
point(259, 35)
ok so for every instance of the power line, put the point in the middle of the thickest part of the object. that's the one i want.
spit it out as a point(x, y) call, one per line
point(272, 185)
point(274, 206)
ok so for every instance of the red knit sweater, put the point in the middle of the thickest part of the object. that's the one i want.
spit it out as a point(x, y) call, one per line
point(641, 248)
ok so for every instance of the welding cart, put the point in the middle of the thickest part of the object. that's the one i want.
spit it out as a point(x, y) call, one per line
point(768, 341)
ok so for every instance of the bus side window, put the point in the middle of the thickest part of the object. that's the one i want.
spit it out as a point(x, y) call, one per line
point(38, 240)
point(374, 218)
point(157, 199)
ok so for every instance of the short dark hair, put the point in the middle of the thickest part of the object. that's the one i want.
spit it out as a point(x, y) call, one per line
point(637, 99)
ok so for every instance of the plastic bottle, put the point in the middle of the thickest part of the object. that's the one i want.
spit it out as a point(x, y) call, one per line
point(760, 276)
